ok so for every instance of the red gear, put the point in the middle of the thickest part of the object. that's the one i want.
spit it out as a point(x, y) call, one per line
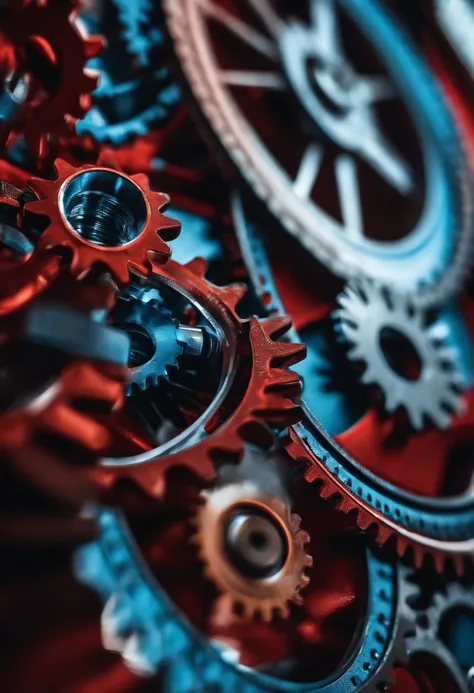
point(270, 391)
point(118, 259)
point(54, 29)
point(55, 412)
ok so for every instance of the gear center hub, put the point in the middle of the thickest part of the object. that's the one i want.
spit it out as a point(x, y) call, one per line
point(400, 353)
point(254, 542)
point(103, 207)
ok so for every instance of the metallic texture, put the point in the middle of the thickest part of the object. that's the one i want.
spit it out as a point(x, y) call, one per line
point(374, 320)
point(153, 336)
point(432, 260)
point(54, 30)
point(262, 563)
point(267, 394)
point(140, 621)
point(422, 526)
point(103, 216)
point(449, 644)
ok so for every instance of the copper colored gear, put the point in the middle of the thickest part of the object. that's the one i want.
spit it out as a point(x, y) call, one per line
point(26, 432)
point(134, 254)
point(55, 28)
point(269, 396)
point(383, 529)
point(251, 492)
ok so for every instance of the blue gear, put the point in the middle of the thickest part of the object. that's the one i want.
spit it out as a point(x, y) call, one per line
point(154, 638)
point(328, 412)
point(141, 315)
point(128, 102)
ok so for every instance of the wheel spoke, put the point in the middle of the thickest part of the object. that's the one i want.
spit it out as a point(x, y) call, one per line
point(247, 78)
point(349, 196)
point(308, 171)
point(325, 24)
point(269, 16)
point(376, 150)
point(243, 31)
point(373, 89)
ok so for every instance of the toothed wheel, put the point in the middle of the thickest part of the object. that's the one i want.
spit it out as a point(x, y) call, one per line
point(255, 390)
point(250, 541)
point(102, 216)
point(153, 334)
point(410, 361)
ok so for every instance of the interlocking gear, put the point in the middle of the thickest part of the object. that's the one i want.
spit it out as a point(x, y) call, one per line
point(382, 329)
point(45, 53)
point(296, 75)
point(103, 216)
point(156, 346)
point(250, 542)
point(257, 390)
point(441, 637)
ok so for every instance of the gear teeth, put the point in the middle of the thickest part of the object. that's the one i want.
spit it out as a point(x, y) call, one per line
point(197, 266)
point(276, 327)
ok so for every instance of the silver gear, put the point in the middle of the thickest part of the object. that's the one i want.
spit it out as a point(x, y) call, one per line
point(154, 337)
point(366, 312)
point(262, 561)
point(427, 640)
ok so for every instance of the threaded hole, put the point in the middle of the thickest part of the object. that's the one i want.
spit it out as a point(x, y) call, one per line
point(104, 208)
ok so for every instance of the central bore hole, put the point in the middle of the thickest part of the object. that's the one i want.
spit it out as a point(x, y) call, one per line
point(142, 344)
point(400, 354)
point(258, 540)
point(104, 208)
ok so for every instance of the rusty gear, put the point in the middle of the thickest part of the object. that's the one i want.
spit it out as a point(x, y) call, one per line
point(268, 398)
point(262, 562)
point(103, 216)
point(52, 32)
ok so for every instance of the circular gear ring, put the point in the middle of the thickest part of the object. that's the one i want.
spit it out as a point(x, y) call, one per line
point(265, 564)
point(103, 216)
point(269, 393)
point(52, 30)
point(420, 526)
point(431, 265)
point(365, 316)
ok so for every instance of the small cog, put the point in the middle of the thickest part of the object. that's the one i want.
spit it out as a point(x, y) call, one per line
point(410, 361)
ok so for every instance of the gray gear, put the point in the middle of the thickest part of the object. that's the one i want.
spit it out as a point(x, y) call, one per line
point(154, 343)
point(427, 639)
point(367, 313)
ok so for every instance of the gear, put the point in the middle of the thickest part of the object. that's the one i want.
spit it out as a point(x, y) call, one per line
point(50, 442)
point(103, 216)
point(140, 621)
point(380, 327)
point(47, 37)
point(262, 563)
point(147, 323)
point(266, 389)
point(438, 640)
point(304, 67)
point(422, 527)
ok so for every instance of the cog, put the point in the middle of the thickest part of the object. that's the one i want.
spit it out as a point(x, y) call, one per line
point(432, 258)
point(267, 390)
point(52, 32)
point(451, 649)
point(263, 563)
point(365, 316)
point(141, 622)
point(103, 216)
point(149, 320)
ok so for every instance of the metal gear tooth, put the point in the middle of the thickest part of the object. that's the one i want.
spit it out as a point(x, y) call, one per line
point(249, 481)
point(422, 397)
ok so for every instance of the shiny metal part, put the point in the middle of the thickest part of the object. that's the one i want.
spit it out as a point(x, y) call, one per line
point(411, 361)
